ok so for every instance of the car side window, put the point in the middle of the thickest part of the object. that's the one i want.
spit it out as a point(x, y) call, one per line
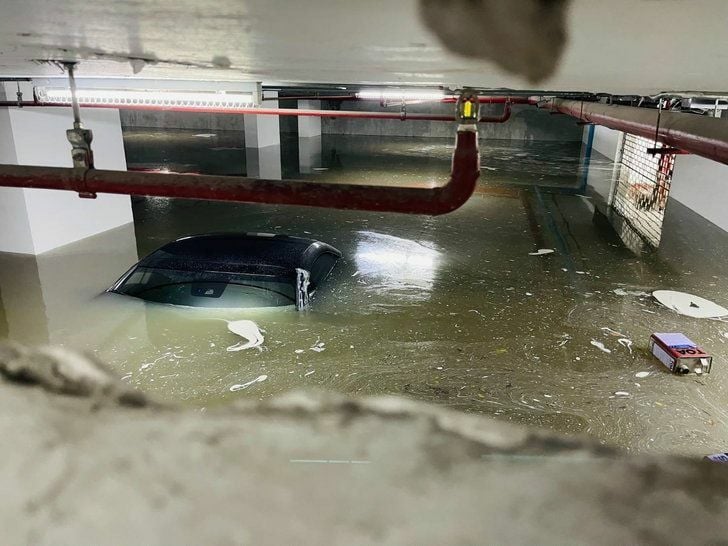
point(321, 267)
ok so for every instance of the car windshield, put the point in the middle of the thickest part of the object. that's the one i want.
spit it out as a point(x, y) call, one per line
point(205, 289)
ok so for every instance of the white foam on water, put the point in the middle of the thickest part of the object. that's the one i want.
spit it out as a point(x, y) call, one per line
point(623, 292)
point(246, 329)
point(258, 379)
point(599, 345)
point(624, 342)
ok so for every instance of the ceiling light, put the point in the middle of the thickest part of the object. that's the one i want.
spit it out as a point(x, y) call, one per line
point(400, 94)
point(127, 97)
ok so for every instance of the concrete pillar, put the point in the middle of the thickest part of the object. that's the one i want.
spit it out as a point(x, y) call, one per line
point(35, 221)
point(263, 144)
point(309, 138)
point(56, 297)
point(309, 126)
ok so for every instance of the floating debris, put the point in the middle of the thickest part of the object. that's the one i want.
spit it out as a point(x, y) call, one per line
point(679, 354)
point(542, 252)
point(642, 375)
point(624, 342)
point(689, 304)
point(308, 373)
point(565, 339)
point(299, 351)
point(258, 379)
point(612, 332)
point(205, 135)
point(623, 292)
point(599, 345)
point(621, 393)
point(247, 329)
point(318, 347)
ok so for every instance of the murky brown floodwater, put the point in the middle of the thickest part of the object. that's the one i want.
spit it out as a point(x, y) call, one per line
point(451, 310)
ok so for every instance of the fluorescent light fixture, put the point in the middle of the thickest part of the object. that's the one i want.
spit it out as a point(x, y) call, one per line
point(128, 97)
point(400, 94)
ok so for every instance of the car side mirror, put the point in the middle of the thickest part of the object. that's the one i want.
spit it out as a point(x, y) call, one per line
point(303, 280)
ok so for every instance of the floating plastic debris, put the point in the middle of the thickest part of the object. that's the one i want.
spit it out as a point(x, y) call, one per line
point(624, 342)
point(318, 347)
point(308, 373)
point(642, 375)
point(205, 135)
point(599, 345)
point(258, 379)
point(299, 351)
point(689, 304)
point(611, 332)
point(621, 393)
point(542, 252)
point(248, 330)
point(623, 292)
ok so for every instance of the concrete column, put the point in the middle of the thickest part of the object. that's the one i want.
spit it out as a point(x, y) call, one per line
point(35, 221)
point(56, 297)
point(309, 126)
point(309, 138)
point(263, 144)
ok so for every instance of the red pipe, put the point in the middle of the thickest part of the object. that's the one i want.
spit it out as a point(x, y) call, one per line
point(402, 116)
point(434, 201)
point(445, 100)
point(701, 135)
point(505, 116)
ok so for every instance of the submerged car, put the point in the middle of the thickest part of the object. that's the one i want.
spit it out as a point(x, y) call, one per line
point(231, 270)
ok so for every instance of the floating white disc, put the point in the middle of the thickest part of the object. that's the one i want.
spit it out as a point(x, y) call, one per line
point(689, 305)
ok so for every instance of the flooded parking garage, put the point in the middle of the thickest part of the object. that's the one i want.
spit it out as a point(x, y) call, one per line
point(456, 310)
point(522, 337)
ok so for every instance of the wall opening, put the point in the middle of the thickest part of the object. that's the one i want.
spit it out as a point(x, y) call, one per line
point(643, 186)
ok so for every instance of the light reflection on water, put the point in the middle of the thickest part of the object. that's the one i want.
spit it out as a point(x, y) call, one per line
point(451, 310)
point(396, 265)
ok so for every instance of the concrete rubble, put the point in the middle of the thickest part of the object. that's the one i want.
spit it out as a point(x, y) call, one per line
point(322, 469)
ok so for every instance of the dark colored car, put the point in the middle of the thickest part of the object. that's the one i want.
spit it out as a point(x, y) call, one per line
point(231, 270)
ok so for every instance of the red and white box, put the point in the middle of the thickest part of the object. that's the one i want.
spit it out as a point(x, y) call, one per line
point(679, 354)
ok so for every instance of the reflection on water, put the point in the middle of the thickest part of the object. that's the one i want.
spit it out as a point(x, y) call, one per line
point(451, 310)
point(395, 265)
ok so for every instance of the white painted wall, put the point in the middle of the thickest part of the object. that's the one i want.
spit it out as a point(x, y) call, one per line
point(50, 219)
point(606, 141)
point(702, 185)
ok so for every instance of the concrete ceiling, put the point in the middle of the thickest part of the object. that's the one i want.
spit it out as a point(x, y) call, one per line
point(620, 46)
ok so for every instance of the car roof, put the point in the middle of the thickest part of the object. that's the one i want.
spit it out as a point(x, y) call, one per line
point(257, 253)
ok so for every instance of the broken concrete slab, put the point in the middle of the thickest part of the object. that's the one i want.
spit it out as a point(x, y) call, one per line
point(322, 469)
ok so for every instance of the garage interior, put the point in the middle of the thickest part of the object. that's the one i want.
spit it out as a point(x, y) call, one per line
point(508, 182)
